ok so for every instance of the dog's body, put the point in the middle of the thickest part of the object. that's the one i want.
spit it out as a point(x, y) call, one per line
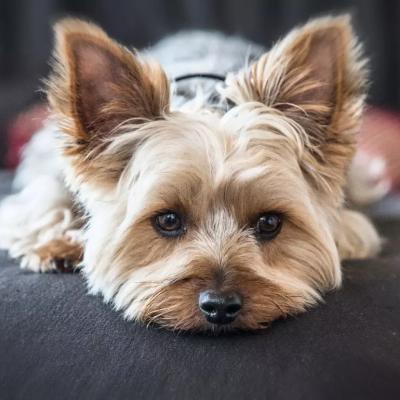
point(221, 205)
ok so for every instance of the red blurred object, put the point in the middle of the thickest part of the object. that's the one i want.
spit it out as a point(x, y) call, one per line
point(379, 139)
point(21, 129)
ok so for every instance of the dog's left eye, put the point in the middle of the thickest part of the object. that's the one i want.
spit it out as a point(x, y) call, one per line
point(268, 225)
point(169, 224)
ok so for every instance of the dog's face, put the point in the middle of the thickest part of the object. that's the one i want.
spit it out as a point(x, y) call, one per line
point(199, 220)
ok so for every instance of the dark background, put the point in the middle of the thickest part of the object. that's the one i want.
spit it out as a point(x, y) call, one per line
point(26, 38)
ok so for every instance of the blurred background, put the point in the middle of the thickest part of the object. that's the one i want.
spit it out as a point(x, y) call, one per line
point(26, 42)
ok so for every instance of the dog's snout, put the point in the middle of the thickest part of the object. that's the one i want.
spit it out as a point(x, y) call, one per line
point(220, 308)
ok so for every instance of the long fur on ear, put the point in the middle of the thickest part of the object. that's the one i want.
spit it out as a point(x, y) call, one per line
point(98, 85)
point(316, 75)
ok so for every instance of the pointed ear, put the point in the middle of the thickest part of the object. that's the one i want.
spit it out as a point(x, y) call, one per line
point(315, 76)
point(97, 85)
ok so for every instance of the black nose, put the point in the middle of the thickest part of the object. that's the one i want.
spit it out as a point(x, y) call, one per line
point(219, 308)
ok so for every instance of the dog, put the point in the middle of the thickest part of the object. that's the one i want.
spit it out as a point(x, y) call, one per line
point(205, 190)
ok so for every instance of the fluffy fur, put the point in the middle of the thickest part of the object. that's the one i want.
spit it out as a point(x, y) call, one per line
point(131, 144)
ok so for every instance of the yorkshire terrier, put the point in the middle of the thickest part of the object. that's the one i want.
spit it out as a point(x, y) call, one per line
point(206, 193)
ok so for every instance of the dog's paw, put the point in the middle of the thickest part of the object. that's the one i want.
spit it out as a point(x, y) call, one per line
point(357, 238)
point(62, 255)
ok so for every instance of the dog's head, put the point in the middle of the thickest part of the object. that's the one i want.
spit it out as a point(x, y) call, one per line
point(197, 219)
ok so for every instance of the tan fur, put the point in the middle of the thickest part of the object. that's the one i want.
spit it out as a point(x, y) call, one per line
point(96, 85)
point(317, 76)
point(62, 250)
point(284, 147)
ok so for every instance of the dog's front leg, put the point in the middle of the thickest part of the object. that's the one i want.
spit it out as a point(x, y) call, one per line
point(41, 227)
point(355, 236)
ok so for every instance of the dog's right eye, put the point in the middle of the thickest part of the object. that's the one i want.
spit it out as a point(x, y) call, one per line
point(268, 225)
point(169, 224)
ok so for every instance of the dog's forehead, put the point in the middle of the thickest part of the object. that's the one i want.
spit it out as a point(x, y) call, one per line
point(201, 162)
point(237, 140)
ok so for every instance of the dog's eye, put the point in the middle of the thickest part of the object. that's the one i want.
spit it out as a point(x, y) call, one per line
point(169, 224)
point(268, 225)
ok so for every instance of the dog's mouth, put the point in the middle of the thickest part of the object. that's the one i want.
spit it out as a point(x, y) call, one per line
point(203, 326)
point(188, 305)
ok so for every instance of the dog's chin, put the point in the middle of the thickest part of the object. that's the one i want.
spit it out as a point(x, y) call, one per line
point(199, 325)
point(209, 329)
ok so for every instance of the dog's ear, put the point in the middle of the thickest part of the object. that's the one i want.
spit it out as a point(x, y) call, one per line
point(317, 77)
point(97, 85)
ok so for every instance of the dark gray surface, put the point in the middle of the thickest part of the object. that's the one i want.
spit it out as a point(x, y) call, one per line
point(56, 342)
